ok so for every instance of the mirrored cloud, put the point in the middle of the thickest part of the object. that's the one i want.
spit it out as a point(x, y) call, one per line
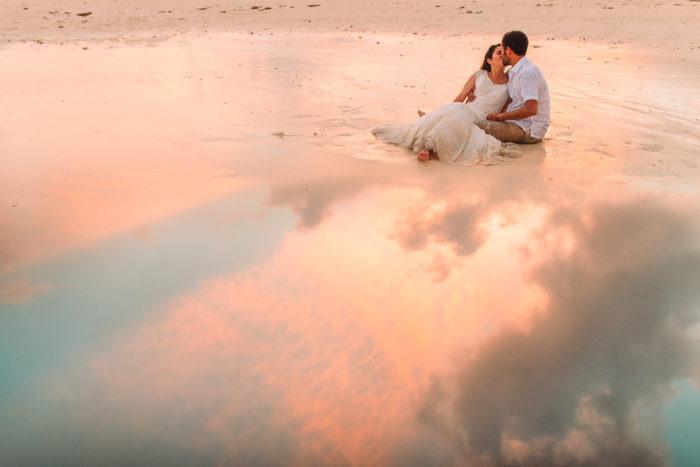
point(583, 386)
point(312, 200)
point(455, 224)
point(318, 355)
point(20, 291)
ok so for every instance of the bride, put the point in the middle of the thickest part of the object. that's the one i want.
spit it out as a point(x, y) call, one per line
point(449, 132)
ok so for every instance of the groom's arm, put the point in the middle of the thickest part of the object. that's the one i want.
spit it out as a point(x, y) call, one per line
point(528, 90)
point(528, 110)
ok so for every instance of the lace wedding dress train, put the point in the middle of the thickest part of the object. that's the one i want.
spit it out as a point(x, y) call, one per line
point(450, 131)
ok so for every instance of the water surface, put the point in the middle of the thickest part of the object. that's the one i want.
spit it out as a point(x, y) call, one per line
point(205, 257)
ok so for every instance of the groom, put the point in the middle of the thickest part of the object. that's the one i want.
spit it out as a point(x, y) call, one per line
point(527, 111)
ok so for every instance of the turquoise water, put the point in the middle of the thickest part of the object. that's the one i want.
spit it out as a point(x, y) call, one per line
point(683, 431)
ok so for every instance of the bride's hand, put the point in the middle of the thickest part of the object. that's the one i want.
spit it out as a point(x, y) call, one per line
point(498, 117)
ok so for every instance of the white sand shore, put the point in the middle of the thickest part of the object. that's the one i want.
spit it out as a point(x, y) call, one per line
point(668, 26)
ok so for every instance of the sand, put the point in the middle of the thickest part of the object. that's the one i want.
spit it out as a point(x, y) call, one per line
point(668, 26)
point(215, 261)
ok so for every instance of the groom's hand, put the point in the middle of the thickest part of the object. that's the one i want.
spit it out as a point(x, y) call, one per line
point(498, 117)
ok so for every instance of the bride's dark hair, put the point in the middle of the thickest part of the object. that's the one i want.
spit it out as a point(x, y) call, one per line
point(489, 54)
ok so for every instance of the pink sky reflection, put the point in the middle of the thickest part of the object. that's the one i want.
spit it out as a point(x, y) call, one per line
point(330, 335)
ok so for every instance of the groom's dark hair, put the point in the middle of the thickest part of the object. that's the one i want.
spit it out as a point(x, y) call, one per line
point(517, 41)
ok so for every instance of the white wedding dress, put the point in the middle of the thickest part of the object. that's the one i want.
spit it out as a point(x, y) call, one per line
point(450, 131)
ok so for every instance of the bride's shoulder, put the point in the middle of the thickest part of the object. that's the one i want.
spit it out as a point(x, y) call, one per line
point(479, 75)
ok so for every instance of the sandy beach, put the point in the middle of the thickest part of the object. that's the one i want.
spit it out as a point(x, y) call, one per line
point(667, 26)
point(207, 258)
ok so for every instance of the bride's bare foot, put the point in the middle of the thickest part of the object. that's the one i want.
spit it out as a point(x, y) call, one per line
point(420, 113)
point(424, 155)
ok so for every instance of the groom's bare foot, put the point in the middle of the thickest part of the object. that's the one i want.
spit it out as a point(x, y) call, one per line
point(424, 155)
point(420, 113)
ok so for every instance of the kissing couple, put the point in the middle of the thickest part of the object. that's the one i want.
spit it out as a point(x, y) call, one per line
point(493, 108)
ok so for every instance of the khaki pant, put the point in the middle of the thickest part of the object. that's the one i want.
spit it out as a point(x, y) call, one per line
point(508, 132)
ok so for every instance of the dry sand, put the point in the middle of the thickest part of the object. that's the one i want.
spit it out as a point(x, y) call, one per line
point(668, 25)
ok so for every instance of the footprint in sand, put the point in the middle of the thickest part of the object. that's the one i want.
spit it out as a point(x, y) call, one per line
point(689, 164)
point(651, 147)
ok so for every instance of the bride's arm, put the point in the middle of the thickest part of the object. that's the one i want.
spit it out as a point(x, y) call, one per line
point(467, 89)
point(505, 106)
point(528, 110)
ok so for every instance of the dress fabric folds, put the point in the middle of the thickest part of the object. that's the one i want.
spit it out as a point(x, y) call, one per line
point(450, 130)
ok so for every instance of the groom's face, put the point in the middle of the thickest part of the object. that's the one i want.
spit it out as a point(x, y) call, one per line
point(506, 56)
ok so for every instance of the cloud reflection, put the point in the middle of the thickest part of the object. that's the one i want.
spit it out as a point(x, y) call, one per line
point(318, 355)
point(455, 224)
point(20, 291)
point(583, 386)
point(312, 200)
point(574, 319)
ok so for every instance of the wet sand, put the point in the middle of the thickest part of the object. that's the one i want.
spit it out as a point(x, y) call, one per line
point(205, 256)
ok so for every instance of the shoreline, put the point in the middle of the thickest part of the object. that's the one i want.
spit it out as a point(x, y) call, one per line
point(637, 25)
point(475, 42)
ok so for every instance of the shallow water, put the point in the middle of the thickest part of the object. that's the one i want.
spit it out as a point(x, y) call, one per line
point(207, 258)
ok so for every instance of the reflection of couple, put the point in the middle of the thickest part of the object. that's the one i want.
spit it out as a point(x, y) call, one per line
point(501, 107)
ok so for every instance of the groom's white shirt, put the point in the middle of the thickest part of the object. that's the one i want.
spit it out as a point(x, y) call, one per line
point(526, 82)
